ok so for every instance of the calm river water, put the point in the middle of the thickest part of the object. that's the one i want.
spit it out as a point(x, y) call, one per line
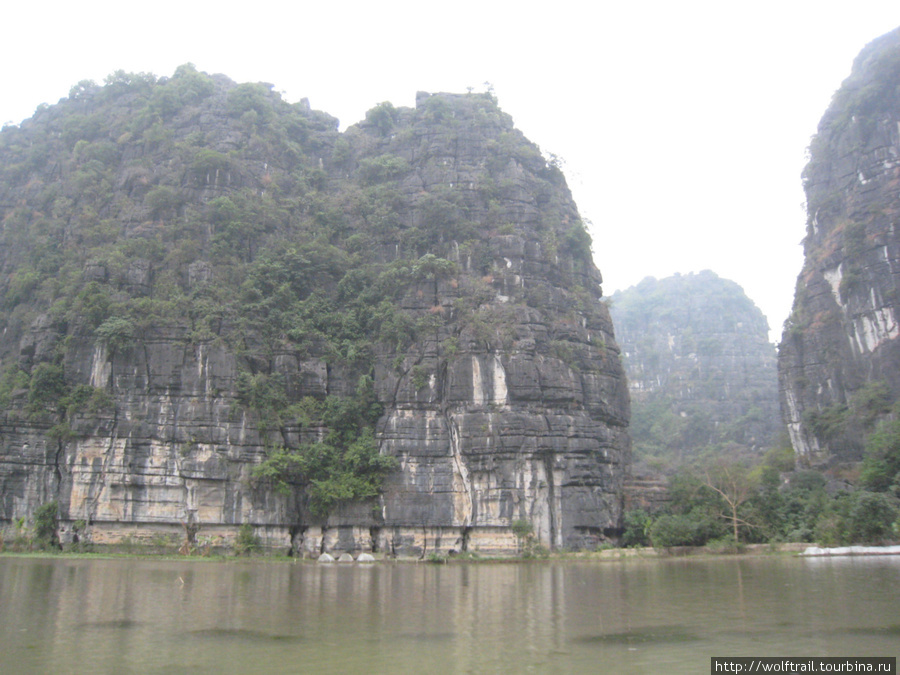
point(149, 616)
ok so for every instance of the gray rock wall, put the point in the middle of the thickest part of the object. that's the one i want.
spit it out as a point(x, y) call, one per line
point(843, 338)
point(508, 404)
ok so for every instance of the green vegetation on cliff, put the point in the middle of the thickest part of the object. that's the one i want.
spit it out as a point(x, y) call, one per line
point(705, 412)
point(701, 369)
point(839, 358)
point(193, 211)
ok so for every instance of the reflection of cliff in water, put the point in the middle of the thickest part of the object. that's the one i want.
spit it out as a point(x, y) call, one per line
point(136, 616)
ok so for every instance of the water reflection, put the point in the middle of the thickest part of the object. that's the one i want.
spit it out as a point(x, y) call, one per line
point(653, 634)
point(147, 616)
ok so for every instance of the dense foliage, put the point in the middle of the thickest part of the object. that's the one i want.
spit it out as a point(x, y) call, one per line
point(727, 501)
point(45, 525)
point(701, 369)
point(345, 465)
point(729, 504)
point(222, 215)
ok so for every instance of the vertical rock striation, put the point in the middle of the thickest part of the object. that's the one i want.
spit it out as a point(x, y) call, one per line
point(839, 358)
point(201, 280)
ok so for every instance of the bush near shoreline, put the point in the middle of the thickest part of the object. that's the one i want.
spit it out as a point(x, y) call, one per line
point(729, 505)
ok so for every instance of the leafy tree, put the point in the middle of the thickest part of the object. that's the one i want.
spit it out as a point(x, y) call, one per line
point(250, 97)
point(871, 516)
point(379, 169)
point(83, 89)
point(116, 332)
point(247, 542)
point(675, 530)
point(345, 466)
point(577, 242)
point(207, 162)
point(870, 402)
point(328, 473)
point(781, 457)
point(191, 85)
point(264, 393)
point(47, 387)
point(636, 530)
point(46, 525)
point(881, 463)
point(13, 381)
point(382, 117)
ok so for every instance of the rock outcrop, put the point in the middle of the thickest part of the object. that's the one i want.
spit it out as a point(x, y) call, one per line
point(701, 369)
point(200, 280)
point(839, 359)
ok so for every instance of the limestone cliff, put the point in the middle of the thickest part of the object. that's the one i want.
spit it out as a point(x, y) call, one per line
point(839, 359)
point(700, 367)
point(200, 280)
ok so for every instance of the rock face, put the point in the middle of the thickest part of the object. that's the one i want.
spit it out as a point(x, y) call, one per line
point(201, 281)
point(839, 359)
point(700, 367)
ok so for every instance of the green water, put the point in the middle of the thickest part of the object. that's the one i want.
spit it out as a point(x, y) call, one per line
point(148, 616)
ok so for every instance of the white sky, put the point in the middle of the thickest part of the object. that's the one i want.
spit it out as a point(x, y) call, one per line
point(683, 125)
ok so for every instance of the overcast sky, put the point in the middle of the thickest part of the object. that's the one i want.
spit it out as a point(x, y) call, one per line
point(683, 125)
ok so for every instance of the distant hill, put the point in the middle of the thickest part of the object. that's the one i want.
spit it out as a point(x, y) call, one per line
point(701, 370)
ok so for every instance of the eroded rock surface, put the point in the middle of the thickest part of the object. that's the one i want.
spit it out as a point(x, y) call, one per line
point(839, 359)
point(183, 265)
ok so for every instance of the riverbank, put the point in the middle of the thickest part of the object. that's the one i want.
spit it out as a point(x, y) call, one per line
point(605, 555)
point(851, 550)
